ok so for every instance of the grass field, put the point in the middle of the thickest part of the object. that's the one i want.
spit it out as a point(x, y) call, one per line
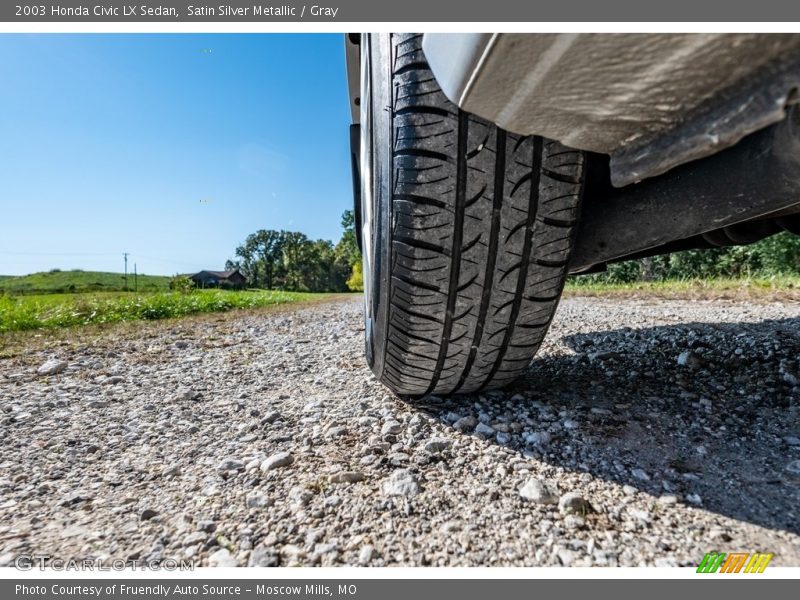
point(24, 312)
point(782, 288)
point(62, 282)
point(34, 302)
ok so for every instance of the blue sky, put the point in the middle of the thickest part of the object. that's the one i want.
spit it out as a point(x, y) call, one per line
point(170, 147)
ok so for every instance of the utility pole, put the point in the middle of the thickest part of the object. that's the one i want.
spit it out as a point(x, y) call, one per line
point(125, 255)
point(135, 279)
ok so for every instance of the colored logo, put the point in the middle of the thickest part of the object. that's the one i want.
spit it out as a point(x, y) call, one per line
point(736, 562)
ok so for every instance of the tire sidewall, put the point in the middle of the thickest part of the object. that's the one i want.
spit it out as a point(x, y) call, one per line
point(377, 234)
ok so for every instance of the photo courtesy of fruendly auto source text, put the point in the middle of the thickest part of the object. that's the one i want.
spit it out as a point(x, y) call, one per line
point(386, 300)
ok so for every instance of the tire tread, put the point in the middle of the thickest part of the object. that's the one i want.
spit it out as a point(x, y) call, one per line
point(482, 228)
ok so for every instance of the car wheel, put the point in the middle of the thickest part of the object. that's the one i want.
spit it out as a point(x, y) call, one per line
point(466, 229)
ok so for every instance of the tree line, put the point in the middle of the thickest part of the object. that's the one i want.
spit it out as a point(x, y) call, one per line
point(289, 260)
point(774, 256)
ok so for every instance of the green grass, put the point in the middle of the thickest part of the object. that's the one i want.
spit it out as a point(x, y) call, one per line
point(61, 282)
point(784, 287)
point(18, 313)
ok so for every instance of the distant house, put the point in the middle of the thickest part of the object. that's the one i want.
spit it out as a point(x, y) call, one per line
point(223, 279)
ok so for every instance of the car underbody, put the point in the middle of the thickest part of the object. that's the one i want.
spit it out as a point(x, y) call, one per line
point(692, 140)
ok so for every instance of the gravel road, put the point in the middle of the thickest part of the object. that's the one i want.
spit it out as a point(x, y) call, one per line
point(646, 432)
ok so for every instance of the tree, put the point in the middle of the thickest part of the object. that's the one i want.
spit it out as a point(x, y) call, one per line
point(248, 262)
point(297, 257)
point(268, 246)
point(290, 260)
point(260, 257)
point(347, 250)
point(347, 255)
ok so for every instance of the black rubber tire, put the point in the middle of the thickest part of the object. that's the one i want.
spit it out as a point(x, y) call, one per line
point(472, 232)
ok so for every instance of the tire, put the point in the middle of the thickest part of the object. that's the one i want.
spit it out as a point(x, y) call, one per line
point(467, 231)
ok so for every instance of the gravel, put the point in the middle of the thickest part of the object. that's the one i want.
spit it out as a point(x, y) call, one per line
point(401, 483)
point(262, 439)
point(230, 464)
point(573, 502)
point(52, 367)
point(276, 461)
point(348, 477)
point(538, 491)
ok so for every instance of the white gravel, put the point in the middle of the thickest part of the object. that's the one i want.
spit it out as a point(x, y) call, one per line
point(262, 439)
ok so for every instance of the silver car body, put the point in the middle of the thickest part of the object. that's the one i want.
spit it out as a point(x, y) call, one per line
point(649, 101)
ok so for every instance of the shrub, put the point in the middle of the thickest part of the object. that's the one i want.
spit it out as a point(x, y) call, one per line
point(182, 284)
point(775, 255)
point(356, 281)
